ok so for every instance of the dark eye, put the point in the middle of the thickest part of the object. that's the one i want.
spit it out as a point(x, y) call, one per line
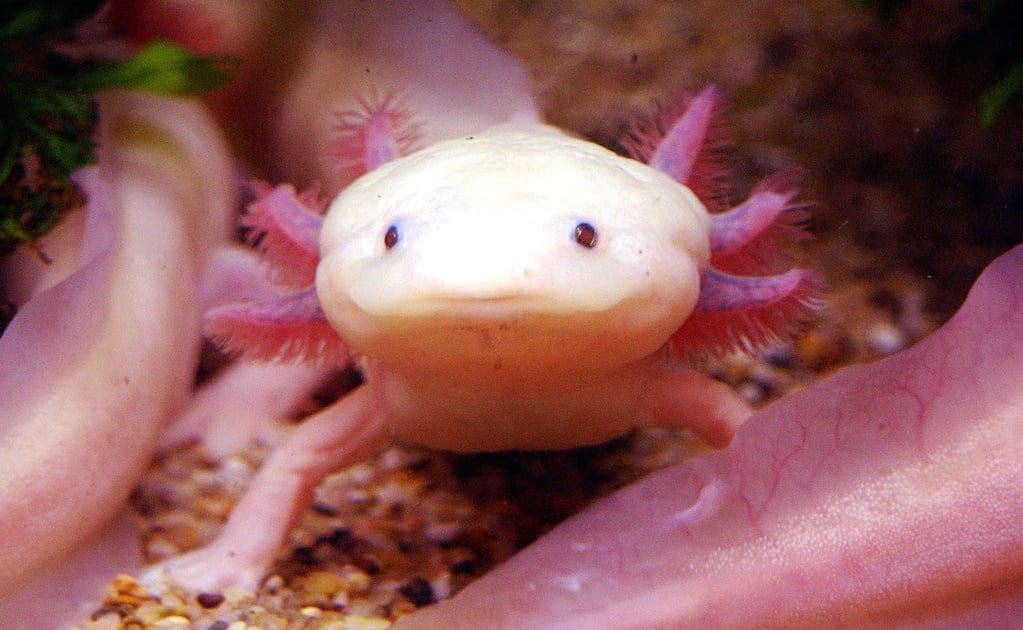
point(586, 235)
point(392, 237)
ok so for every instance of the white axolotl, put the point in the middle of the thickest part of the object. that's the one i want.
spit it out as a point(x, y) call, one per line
point(514, 289)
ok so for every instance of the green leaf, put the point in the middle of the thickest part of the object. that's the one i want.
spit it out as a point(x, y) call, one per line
point(47, 113)
point(161, 68)
point(996, 97)
point(27, 18)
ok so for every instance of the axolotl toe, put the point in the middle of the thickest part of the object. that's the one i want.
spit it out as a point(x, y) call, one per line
point(514, 289)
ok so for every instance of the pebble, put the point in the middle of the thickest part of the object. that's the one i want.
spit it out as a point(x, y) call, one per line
point(311, 611)
point(751, 392)
point(172, 601)
point(355, 622)
point(885, 338)
point(125, 590)
point(174, 622)
point(237, 597)
point(236, 474)
point(274, 583)
point(210, 600)
point(357, 580)
point(443, 532)
point(324, 583)
point(419, 591)
point(441, 585)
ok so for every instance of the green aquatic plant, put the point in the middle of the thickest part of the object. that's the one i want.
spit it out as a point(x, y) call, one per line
point(1010, 86)
point(47, 111)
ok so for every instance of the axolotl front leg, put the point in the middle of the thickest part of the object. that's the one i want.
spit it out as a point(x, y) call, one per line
point(516, 289)
point(340, 434)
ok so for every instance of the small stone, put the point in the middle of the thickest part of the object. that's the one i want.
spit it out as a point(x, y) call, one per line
point(441, 586)
point(126, 590)
point(213, 507)
point(750, 392)
point(150, 612)
point(323, 509)
point(353, 622)
point(172, 601)
point(311, 611)
point(274, 583)
point(341, 601)
point(820, 348)
point(235, 475)
point(367, 563)
point(361, 607)
point(735, 367)
point(174, 622)
point(238, 597)
point(443, 532)
point(356, 580)
point(210, 600)
point(463, 567)
point(419, 591)
point(340, 538)
point(175, 538)
point(885, 338)
point(324, 583)
point(402, 607)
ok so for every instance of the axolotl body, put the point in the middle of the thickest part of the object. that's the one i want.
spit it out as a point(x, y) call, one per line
point(514, 289)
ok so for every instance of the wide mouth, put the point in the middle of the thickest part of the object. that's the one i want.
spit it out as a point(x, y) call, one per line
point(486, 308)
point(467, 338)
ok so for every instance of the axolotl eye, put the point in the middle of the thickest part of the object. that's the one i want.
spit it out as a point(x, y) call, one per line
point(392, 236)
point(585, 234)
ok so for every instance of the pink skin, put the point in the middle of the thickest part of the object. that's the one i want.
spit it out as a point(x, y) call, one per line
point(104, 350)
point(886, 495)
point(63, 593)
point(245, 402)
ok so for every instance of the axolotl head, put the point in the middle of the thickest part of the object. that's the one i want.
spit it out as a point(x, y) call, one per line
point(513, 244)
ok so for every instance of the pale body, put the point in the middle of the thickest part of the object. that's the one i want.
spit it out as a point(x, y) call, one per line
point(487, 326)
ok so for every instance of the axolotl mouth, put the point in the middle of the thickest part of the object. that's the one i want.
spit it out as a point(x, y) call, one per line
point(525, 331)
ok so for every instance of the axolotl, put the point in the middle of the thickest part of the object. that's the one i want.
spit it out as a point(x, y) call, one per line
point(513, 289)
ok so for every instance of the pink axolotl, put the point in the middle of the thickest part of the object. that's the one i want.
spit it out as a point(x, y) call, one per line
point(513, 289)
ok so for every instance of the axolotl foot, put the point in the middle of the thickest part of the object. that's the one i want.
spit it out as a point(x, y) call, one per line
point(209, 569)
